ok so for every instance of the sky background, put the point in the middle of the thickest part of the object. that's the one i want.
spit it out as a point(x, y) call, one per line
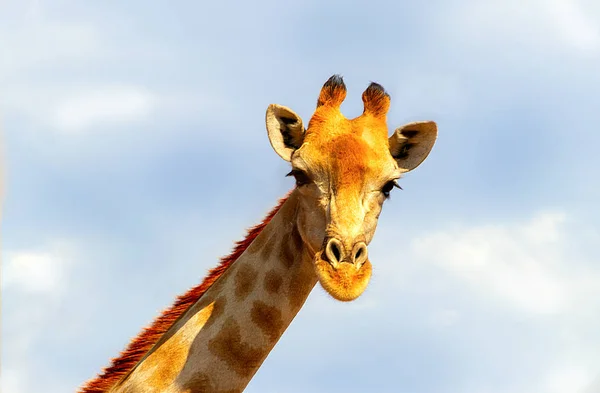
point(136, 154)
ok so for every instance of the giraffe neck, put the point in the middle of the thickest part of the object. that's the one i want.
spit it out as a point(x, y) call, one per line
point(220, 342)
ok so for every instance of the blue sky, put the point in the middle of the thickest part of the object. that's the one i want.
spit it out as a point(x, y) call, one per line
point(136, 154)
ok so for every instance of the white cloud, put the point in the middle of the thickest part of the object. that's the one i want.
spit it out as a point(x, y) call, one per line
point(76, 110)
point(40, 42)
point(113, 104)
point(28, 271)
point(568, 380)
point(36, 40)
point(33, 284)
point(521, 264)
point(575, 25)
point(542, 268)
point(11, 381)
point(593, 387)
point(538, 23)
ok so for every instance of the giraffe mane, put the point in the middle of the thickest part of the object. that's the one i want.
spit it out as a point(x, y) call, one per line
point(149, 336)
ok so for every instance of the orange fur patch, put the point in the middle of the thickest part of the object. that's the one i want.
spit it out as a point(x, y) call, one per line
point(150, 335)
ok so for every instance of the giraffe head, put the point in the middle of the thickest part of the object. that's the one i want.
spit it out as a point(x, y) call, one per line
point(345, 169)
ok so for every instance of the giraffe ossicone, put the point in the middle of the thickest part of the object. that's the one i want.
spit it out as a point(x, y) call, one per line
point(215, 337)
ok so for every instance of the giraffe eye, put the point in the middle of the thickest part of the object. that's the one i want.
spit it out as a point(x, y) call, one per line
point(387, 188)
point(301, 177)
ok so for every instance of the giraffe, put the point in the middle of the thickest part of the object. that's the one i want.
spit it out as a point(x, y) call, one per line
point(216, 336)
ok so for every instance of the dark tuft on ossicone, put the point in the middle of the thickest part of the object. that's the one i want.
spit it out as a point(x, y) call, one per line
point(376, 100)
point(335, 81)
point(333, 91)
point(377, 89)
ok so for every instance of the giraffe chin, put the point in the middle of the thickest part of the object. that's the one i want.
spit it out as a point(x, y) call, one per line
point(344, 283)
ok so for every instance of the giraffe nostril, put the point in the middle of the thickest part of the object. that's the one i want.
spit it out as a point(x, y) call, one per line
point(333, 252)
point(359, 254)
point(336, 252)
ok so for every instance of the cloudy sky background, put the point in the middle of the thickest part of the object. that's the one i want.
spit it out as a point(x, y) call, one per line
point(136, 154)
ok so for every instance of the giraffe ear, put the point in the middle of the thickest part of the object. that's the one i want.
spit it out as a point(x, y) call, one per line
point(285, 129)
point(411, 143)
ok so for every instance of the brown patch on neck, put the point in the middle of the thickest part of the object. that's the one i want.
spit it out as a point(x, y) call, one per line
point(273, 281)
point(297, 242)
point(245, 280)
point(149, 336)
point(201, 383)
point(268, 319)
point(286, 254)
point(301, 284)
point(267, 248)
point(290, 247)
point(228, 346)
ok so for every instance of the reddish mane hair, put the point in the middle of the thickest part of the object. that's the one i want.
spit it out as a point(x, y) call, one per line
point(150, 335)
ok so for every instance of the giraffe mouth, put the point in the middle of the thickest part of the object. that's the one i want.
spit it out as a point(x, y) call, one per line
point(344, 281)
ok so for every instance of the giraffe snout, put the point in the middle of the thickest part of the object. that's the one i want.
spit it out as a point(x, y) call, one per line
point(337, 252)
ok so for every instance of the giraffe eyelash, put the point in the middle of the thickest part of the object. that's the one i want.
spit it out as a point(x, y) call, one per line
point(301, 177)
point(388, 187)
